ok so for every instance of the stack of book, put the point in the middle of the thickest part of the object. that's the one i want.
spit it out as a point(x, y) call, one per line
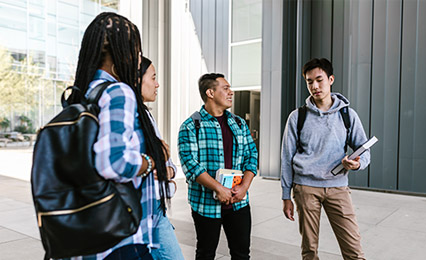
point(228, 178)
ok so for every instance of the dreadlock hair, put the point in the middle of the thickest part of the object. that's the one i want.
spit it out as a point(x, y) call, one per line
point(113, 34)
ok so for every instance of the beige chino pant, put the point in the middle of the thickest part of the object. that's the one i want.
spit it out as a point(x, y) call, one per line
point(337, 204)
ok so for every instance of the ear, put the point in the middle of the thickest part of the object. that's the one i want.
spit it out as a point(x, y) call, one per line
point(209, 93)
point(331, 79)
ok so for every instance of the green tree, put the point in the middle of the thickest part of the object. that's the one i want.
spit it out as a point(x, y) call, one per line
point(17, 84)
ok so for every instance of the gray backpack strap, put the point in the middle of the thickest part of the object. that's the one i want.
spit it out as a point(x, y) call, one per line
point(300, 121)
point(237, 119)
point(196, 117)
point(344, 111)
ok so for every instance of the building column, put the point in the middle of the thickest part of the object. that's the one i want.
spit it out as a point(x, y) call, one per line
point(270, 100)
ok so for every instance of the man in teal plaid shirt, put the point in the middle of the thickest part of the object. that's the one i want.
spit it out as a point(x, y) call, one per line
point(223, 141)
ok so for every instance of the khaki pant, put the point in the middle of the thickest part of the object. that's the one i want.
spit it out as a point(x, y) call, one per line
point(337, 204)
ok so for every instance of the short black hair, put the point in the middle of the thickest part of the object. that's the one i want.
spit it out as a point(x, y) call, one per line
point(322, 63)
point(208, 81)
point(145, 65)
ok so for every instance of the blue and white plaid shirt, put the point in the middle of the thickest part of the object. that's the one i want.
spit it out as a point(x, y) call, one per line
point(117, 155)
point(208, 156)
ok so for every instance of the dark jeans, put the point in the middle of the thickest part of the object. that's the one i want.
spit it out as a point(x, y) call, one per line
point(130, 252)
point(237, 227)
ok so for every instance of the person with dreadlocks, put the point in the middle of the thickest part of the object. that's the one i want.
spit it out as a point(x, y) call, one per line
point(127, 147)
point(169, 246)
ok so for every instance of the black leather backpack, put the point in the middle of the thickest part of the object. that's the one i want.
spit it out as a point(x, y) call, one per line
point(78, 211)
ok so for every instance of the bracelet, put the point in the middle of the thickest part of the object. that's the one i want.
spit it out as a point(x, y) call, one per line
point(148, 170)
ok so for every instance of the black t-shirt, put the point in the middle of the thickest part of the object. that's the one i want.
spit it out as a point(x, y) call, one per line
point(227, 140)
point(227, 146)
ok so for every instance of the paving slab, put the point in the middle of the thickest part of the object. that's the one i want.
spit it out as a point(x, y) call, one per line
point(392, 226)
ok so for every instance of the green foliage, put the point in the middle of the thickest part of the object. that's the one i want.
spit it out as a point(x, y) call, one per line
point(4, 123)
point(24, 129)
point(26, 125)
point(18, 83)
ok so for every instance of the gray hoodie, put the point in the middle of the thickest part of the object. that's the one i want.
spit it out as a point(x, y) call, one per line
point(323, 140)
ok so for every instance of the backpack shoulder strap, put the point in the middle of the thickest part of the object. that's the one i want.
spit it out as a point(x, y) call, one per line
point(237, 119)
point(196, 117)
point(344, 112)
point(96, 93)
point(300, 121)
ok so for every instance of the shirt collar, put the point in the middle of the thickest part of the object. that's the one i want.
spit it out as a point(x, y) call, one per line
point(205, 114)
point(102, 74)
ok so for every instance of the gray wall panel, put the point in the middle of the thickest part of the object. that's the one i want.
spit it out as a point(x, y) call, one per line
point(385, 93)
point(322, 15)
point(208, 35)
point(338, 41)
point(378, 51)
point(358, 90)
point(222, 36)
point(211, 19)
point(195, 7)
point(306, 50)
point(270, 106)
point(412, 160)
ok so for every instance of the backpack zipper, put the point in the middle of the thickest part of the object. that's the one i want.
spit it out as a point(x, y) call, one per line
point(71, 122)
point(71, 211)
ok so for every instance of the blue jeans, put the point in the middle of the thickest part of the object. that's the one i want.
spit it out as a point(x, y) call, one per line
point(169, 246)
point(130, 252)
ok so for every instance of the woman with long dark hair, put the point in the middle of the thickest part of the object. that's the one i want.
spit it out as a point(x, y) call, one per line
point(169, 247)
point(127, 148)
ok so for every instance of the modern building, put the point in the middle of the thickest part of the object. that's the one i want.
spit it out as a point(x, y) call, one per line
point(260, 45)
point(43, 38)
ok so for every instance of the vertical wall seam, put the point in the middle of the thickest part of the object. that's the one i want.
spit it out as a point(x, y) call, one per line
point(310, 33)
point(201, 30)
point(371, 82)
point(332, 32)
point(398, 150)
point(215, 36)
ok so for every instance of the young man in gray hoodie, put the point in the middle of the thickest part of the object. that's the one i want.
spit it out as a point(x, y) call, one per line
point(308, 170)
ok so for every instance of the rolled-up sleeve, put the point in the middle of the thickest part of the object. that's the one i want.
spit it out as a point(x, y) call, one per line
point(117, 153)
point(250, 152)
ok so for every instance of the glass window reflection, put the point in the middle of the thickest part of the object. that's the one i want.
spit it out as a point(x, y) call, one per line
point(246, 65)
point(246, 20)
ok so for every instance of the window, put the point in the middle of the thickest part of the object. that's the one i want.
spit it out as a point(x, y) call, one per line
point(246, 65)
point(19, 3)
point(51, 25)
point(47, 34)
point(68, 14)
point(36, 28)
point(51, 7)
point(110, 5)
point(246, 20)
point(68, 35)
point(13, 18)
point(246, 44)
point(89, 7)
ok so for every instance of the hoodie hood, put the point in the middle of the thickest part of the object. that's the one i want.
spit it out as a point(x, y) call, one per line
point(339, 101)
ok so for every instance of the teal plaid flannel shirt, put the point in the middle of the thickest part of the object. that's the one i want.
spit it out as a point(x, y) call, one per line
point(207, 156)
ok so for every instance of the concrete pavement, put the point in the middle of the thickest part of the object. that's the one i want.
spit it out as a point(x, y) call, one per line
point(392, 226)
